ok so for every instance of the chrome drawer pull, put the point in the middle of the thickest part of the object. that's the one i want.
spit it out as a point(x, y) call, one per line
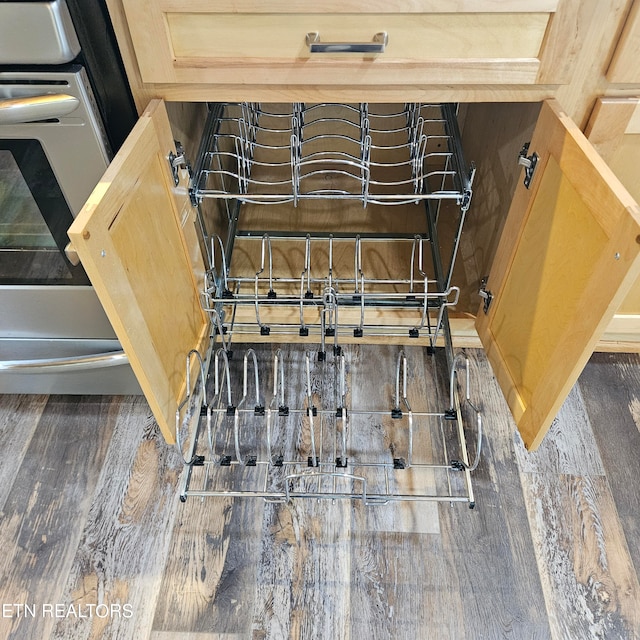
point(377, 45)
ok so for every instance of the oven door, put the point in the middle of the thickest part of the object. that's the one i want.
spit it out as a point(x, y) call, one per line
point(54, 335)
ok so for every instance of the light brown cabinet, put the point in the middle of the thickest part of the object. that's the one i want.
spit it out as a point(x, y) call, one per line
point(569, 248)
point(248, 42)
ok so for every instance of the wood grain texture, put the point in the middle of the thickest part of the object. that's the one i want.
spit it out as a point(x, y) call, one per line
point(591, 589)
point(239, 44)
point(19, 416)
point(43, 516)
point(123, 548)
point(610, 387)
point(151, 297)
point(624, 65)
point(536, 380)
point(550, 551)
point(493, 541)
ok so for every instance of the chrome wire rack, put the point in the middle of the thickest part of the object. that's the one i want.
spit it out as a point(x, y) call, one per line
point(328, 299)
point(289, 153)
point(255, 444)
point(306, 424)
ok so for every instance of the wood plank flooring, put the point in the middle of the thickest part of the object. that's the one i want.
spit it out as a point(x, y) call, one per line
point(96, 544)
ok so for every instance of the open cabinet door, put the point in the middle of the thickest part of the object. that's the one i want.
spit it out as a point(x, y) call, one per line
point(568, 254)
point(137, 241)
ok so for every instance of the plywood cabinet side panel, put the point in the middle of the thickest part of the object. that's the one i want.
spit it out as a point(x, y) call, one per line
point(493, 136)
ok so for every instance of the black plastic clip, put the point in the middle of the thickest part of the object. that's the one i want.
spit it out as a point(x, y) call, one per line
point(399, 463)
point(203, 410)
point(396, 413)
point(341, 463)
point(258, 410)
point(197, 461)
point(339, 412)
point(431, 351)
point(322, 356)
point(329, 332)
point(304, 332)
point(251, 461)
point(264, 330)
point(279, 461)
point(457, 465)
point(283, 410)
point(227, 295)
point(414, 333)
point(312, 462)
point(224, 330)
point(271, 294)
point(337, 350)
point(358, 333)
point(231, 410)
point(450, 414)
point(225, 461)
point(314, 411)
point(308, 295)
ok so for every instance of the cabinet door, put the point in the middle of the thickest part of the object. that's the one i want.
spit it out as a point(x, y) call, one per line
point(469, 42)
point(137, 241)
point(568, 254)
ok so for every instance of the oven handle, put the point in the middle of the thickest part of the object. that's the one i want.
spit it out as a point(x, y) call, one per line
point(61, 365)
point(34, 108)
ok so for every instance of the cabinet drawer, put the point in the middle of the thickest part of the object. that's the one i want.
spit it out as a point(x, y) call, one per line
point(252, 43)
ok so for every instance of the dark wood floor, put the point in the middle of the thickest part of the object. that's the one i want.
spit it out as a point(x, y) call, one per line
point(96, 544)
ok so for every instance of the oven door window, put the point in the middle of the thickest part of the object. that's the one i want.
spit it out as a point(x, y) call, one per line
point(34, 218)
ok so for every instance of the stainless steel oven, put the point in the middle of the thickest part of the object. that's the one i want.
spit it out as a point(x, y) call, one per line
point(54, 147)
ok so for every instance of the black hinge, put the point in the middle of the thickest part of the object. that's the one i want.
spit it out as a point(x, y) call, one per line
point(529, 163)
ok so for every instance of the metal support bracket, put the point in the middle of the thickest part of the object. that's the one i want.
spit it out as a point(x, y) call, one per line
point(176, 161)
point(529, 163)
point(486, 295)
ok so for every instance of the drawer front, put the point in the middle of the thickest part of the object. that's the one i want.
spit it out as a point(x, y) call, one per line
point(432, 42)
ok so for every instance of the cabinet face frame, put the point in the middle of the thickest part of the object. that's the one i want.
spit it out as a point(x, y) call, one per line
point(520, 44)
point(136, 238)
point(569, 253)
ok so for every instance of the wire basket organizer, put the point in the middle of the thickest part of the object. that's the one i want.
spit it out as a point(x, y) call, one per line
point(296, 152)
point(328, 288)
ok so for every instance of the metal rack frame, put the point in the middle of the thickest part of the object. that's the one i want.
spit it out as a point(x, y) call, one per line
point(328, 460)
point(255, 155)
point(252, 154)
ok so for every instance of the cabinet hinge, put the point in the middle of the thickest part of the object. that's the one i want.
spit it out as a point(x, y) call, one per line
point(529, 163)
point(486, 295)
point(178, 160)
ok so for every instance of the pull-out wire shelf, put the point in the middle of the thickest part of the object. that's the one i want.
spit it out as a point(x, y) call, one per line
point(330, 298)
point(309, 423)
point(289, 153)
point(255, 444)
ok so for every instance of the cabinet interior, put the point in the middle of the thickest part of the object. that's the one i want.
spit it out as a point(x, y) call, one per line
point(340, 212)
